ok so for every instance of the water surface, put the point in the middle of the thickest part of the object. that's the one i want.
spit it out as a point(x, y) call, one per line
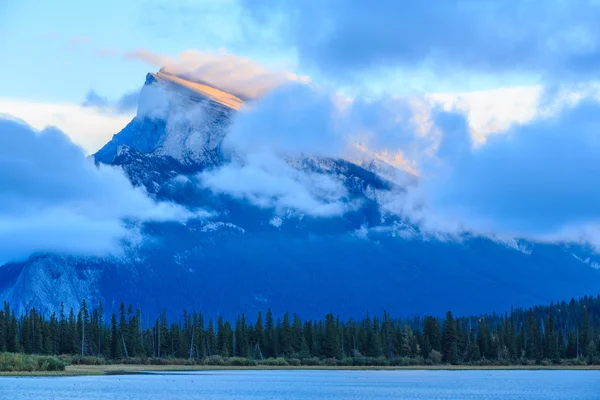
point(298, 385)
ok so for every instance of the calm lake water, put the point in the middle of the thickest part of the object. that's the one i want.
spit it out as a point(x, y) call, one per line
point(341, 385)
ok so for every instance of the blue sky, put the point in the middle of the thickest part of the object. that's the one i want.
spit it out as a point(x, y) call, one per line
point(58, 51)
point(55, 48)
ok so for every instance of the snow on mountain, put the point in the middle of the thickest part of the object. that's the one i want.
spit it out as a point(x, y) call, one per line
point(176, 118)
point(249, 255)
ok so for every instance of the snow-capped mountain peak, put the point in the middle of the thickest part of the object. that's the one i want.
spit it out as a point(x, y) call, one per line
point(176, 118)
point(261, 243)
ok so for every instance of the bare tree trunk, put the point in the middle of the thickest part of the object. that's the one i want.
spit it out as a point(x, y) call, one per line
point(233, 345)
point(577, 341)
point(257, 347)
point(192, 345)
point(82, 335)
point(124, 346)
point(153, 344)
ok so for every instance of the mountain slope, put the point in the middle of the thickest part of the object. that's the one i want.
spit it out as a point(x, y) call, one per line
point(246, 258)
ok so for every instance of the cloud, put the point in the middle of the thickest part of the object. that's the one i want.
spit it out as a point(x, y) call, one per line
point(237, 75)
point(124, 105)
point(536, 180)
point(279, 123)
point(294, 121)
point(93, 99)
point(53, 199)
point(445, 36)
point(267, 138)
point(268, 181)
point(87, 126)
point(493, 111)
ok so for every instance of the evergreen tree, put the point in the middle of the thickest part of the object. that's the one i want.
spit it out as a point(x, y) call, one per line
point(211, 338)
point(115, 349)
point(374, 348)
point(449, 340)
point(286, 336)
point(551, 340)
point(331, 347)
point(549, 332)
point(270, 347)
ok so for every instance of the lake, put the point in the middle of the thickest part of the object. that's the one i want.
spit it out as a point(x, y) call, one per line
point(341, 385)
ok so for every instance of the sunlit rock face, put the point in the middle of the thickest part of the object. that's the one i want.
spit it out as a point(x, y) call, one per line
point(248, 256)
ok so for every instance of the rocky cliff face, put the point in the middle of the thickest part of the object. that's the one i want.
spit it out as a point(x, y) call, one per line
point(246, 258)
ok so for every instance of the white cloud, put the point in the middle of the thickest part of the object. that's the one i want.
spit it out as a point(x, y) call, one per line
point(291, 120)
point(493, 111)
point(126, 104)
point(53, 199)
point(267, 181)
point(533, 178)
point(536, 180)
point(265, 137)
point(86, 126)
point(497, 110)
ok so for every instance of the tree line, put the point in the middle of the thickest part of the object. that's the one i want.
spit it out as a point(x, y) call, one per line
point(557, 333)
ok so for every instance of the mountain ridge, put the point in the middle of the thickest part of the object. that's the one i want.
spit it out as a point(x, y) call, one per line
point(246, 257)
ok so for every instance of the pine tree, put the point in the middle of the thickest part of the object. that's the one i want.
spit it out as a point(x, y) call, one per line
point(211, 339)
point(115, 349)
point(84, 328)
point(3, 328)
point(449, 340)
point(270, 347)
point(286, 336)
point(551, 340)
point(586, 332)
point(374, 348)
point(201, 337)
point(331, 346)
point(123, 332)
point(552, 332)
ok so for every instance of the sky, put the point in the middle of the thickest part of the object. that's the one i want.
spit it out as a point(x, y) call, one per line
point(58, 53)
point(493, 105)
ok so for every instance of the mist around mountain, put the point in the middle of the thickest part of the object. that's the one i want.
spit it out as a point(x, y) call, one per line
point(310, 232)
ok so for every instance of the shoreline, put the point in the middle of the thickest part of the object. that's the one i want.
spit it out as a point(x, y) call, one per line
point(129, 369)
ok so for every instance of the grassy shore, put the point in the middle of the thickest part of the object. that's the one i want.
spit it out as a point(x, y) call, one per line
point(125, 369)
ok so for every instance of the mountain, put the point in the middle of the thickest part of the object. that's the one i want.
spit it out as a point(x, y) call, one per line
point(246, 258)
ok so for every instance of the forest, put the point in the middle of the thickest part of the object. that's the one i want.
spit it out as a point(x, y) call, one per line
point(565, 333)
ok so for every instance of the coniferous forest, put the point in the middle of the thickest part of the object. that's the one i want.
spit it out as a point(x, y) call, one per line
point(565, 333)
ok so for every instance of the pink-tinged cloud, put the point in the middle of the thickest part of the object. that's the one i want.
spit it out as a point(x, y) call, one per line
point(240, 76)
